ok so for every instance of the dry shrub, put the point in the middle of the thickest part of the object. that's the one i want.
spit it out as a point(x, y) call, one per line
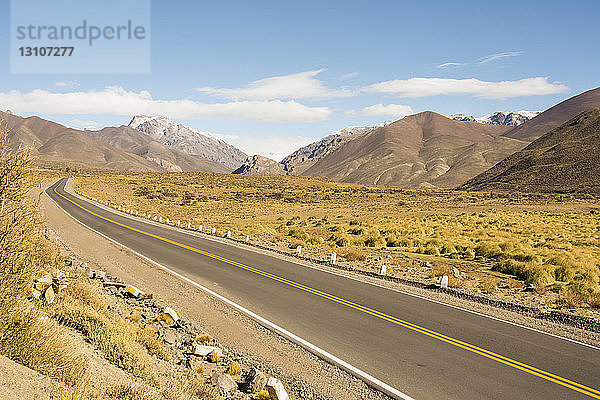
point(440, 270)
point(489, 284)
point(203, 338)
point(151, 340)
point(233, 369)
point(353, 255)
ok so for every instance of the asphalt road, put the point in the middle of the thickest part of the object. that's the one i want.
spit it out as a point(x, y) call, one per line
point(424, 349)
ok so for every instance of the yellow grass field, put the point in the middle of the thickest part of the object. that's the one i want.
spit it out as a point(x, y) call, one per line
point(495, 239)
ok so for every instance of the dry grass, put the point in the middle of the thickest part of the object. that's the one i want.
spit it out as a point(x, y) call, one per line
point(233, 369)
point(539, 239)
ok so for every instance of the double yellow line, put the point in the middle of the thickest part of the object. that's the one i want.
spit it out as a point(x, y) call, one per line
point(416, 328)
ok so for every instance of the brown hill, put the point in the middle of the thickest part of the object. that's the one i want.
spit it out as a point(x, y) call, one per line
point(555, 116)
point(259, 165)
point(50, 141)
point(133, 141)
point(566, 159)
point(421, 150)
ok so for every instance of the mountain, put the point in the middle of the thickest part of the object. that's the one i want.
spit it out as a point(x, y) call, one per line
point(566, 159)
point(50, 141)
point(421, 150)
point(303, 158)
point(133, 141)
point(555, 116)
point(189, 140)
point(509, 118)
point(259, 165)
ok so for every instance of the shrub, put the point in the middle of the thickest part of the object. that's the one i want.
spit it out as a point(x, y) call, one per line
point(150, 339)
point(203, 338)
point(233, 369)
point(354, 255)
point(299, 234)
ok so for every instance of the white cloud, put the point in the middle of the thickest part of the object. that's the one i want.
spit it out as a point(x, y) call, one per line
point(494, 57)
point(67, 84)
point(347, 76)
point(303, 85)
point(422, 87)
point(394, 110)
point(450, 64)
point(276, 147)
point(79, 124)
point(118, 101)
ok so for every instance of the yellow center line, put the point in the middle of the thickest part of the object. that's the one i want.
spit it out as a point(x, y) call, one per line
point(589, 391)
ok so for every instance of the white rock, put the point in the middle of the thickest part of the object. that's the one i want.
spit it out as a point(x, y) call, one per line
point(276, 390)
point(172, 313)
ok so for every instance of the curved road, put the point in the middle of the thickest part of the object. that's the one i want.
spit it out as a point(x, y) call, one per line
point(424, 349)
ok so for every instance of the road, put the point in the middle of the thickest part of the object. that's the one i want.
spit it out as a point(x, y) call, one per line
point(424, 349)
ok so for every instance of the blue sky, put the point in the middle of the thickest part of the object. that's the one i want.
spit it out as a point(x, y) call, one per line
point(270, 76)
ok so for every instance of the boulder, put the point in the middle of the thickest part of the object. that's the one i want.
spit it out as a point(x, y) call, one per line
point(276, 390)
point(169, 311)
point(255, 381)
point(133, 291)
point(202, 350)
point(223, 381)
point(170, 337)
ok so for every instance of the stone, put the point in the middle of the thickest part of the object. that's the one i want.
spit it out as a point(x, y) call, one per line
point(455, 273)
point(133, 291)
point(36, 294)
point(100, 275)
point(444, 282)
point(49, 295)
point(172, 313)
point(202, 350)
point(276, 390)
point(223, 381)
point(170, 337)
point(256, 381)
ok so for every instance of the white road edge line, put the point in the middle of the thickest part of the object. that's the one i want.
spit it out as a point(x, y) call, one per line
point(250, 248)
point(371, 380)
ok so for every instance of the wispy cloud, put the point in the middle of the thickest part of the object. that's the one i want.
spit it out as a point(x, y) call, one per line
point(118, 101)
point(450, 64)
point(347, 76)
point(498, 56)
point(422, 87)
point(392, 110)
point(79, 124)
point(303, 85)
point(67, 84)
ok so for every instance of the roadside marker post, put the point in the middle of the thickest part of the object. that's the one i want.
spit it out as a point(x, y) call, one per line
point(200, 228)
point(299, 250)
point(333, 258)
point(213, 231)
point(228, 234)
point(444, 282)
point(383, 270)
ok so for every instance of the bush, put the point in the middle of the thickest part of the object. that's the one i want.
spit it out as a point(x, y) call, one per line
point(299, 234)
point(233, 369)
point(354, 255)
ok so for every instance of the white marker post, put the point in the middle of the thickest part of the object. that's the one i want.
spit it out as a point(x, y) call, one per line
point(247, 238)
point(213, 231)
point(299, 250)
point(383, 270)
point(200, 228)
point(444, 282)
point(189, 225)
point(178, 222)
point(229, 234)
point(333, 258)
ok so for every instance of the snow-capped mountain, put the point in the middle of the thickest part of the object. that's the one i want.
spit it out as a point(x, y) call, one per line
point(508, 118)
point(189, 140)
point(303, 158)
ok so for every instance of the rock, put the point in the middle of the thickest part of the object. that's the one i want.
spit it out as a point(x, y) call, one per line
point(43, 283)
point(455, 273)
point(36, 294)
point(276, 390)
point(49, 295)
point(133, 291)
point(223, 381)
point(171, 313)
point(100, 275)
point(170, 337)
point(255, 381)
point(202, 350)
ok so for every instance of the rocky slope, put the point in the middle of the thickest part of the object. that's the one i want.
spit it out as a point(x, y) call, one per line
point(303, 158)
point(555, 116)
point(566, 159)
point(508, 118)
point(259, 165)
point(50, 141)
point(133, 141)
point(189, 140)
point(421, 150)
